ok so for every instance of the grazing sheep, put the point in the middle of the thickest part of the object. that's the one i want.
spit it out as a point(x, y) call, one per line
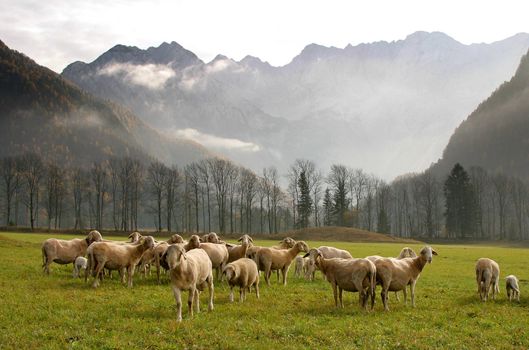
point(328, 253)
point(66, 251)
point(395, 274)
point(269, 259)
point(239, 251)
point(117, 257)
point(487, 277)
point(352, 275)
point(511, 284)
point(191, 271)
point(218, 253)
point(244, 274)
point(79, 264)
point(301, 267)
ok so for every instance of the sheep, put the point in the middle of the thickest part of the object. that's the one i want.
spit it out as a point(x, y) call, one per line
point(193, 243)
point(269, 259)
point(218, 253)
point(66, 251)
point(301, 267)
point(328, 253)
point(353, 275)
point(239, 251)
point(117, 257)
point(487, 276)
point(511, 284)
point(79, 264)
point(244, 274)
point(190, 271)
point(285, 243)
point(134, 237)
point(395, 274)
point(150, 256)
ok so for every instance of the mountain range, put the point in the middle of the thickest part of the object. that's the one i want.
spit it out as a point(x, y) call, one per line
point(387, 107)
point(42, 112)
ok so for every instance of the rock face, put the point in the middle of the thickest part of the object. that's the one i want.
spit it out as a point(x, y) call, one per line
point(388, 107)
point(42, 112)
point(496, 135)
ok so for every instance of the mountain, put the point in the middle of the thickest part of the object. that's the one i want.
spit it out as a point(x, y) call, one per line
point(496, 135)
point(387, 107)
point(44, 113)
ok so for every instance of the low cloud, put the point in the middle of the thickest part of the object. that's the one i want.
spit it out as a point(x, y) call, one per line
point(216, 142)
point(152, 76)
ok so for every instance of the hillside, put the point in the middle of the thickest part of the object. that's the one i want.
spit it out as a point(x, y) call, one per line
point(496, 135)
point(41, 112)
point(389, 106)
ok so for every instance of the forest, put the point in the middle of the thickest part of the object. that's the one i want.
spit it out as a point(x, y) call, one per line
point(215, 194)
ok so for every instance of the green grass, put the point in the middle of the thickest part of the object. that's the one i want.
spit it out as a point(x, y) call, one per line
point(57, 311)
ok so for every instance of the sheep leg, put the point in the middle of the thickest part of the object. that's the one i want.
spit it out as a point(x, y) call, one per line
point(211, 290)
point(412, 289)
point(241, 294)
point(340, 290)
point(190, 300)
point(256, 287)
point(405, 293)
point(285, 273)
point(197, 300)
point(384, 295)
point(99, 268)
point(267, 273)
point(178, 299)
point(397, 297)
point(231, 294)
point(130, 271)
point(75, 272)
point(335, 293)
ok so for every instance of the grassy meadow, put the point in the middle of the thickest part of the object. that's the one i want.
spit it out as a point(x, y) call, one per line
point(57, 311)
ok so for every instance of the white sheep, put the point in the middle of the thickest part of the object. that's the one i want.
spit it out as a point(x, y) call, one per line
point(117, 257)
point(191, 271)
point(395, 274)
point(269, 259)
point(301, 266)
point(218, 253)
point(66, 251)
point(513, 290)
point(328, 253)
point(79, 264)
point(236, 252)
point(487, 277)
point(244, 274)
point(353, 275)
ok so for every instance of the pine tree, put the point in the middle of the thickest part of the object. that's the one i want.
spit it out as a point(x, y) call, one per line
point(305, 201)
point(327, 208)
point(460, 204)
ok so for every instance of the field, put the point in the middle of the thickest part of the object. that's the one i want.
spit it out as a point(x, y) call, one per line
point(57, 311)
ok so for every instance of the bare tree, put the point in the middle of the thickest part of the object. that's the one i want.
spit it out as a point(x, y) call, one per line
point(98, 175)
point(172, 184)
point(11, 180)
point(157, 174)
point(205, 177)
point(32, 174)
point(192, 172)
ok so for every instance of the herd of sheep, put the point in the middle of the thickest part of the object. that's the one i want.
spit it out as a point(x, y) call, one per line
point(190, 265)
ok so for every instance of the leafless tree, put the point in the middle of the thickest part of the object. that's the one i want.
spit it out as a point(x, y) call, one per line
point(157, 174)
point(10, 173)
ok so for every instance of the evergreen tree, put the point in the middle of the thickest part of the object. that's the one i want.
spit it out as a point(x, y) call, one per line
point(460, 204)
point(305, 201)
point(327, 208)
point(340, 204)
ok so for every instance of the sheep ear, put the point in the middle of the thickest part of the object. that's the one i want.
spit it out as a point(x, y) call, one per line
point(434, 252)
point(306, 255)
point(250, 238)
point(240, 239)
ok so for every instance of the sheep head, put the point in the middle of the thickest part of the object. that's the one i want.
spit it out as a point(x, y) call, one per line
point(174, 255)
point(427, 253)
point(288, 242)
point(194, 242)
point(407, 252)
point(204, 238)
point(302, 246)
point(93, 236)
point(134, 237)
point(176, 238)
point(213, 238)
point(147, 242)
point(245, 239)
point(230, 272)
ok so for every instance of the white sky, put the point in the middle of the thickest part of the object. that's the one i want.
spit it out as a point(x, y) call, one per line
point(58, 32)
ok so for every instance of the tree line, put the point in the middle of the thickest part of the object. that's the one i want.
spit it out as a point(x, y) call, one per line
point(215, 194)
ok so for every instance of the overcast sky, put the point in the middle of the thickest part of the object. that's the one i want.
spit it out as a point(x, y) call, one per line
point(58, 32)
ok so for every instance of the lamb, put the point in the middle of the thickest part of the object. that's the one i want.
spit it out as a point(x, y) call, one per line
point(244, 274)
point(79, 264)
point(218, 253)
point(328, 253)
point(395, 274)
point(353, 275)
point(269, 259)
point(239, 251)
point(487, 276)
point(117, 257)
point(301, 266)
point(66, 251)
point(513, 291)
point(190, 271)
